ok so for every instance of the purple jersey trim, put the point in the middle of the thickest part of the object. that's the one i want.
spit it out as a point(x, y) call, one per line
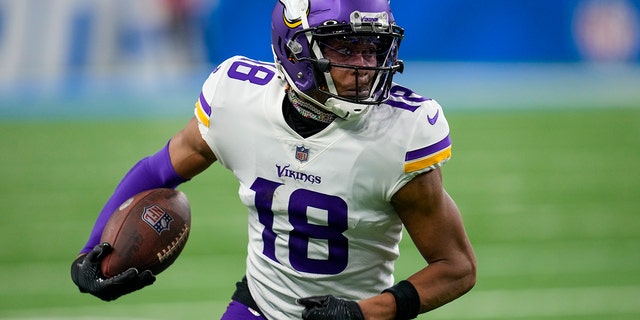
point(238, 311)
point(205, 105)
point(423, 152)
point(149, 173)
point(402, 105)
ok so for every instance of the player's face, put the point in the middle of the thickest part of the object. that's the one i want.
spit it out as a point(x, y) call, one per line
point(355, 51)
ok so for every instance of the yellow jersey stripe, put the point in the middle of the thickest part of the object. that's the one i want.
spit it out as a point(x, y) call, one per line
point(428, 161)
point(202, 116)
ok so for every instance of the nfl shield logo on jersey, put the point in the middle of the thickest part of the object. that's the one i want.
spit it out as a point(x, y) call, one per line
point(157, 218)
point(302, 153)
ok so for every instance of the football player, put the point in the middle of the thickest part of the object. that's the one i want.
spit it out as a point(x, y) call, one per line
point(333, 160)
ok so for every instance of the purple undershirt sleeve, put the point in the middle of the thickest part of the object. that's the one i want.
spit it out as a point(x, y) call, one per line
point(149, 173)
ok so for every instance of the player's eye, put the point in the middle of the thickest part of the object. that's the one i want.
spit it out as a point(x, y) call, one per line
point(368, 52)
point(343, 51)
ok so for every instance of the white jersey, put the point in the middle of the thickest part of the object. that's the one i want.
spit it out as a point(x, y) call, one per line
point(320, 221)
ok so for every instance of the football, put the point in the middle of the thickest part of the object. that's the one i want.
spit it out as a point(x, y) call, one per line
point(147, 232)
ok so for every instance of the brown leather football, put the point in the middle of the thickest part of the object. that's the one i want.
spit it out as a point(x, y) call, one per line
point(147, 232)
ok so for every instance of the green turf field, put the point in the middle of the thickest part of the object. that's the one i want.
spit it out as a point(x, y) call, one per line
point(551, 201)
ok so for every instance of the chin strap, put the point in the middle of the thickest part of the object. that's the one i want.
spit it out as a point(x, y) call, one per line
point(345, 109)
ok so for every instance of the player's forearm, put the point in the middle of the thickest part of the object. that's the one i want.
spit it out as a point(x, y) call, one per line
point(444, 281)
point(436, 285)
point(151, 172)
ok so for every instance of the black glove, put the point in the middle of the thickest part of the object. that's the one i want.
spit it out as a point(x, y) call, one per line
point(86, 274)
point(330, 308)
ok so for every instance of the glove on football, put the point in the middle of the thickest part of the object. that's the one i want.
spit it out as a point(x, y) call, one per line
point(86, 274)
point(330, 308)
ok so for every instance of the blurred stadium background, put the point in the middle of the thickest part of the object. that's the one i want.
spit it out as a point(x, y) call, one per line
point(543, 97)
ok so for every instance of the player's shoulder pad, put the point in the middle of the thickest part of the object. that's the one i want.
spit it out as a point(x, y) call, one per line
point(415, 105)
point(424, 128)
point(233, 77)
point(404, 98)
point(240, 69)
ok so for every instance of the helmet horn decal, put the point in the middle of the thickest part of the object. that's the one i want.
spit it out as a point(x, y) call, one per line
point(294, 10)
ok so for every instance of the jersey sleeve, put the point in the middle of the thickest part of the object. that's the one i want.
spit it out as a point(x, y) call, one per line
point(203, 105)
point(428, 145)
point(235, 87)
point(204, 111)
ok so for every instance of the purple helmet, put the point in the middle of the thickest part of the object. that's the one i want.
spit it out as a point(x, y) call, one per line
point(301, 30)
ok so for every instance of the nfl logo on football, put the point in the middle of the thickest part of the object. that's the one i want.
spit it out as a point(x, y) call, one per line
point(302, 153)
point(157, 218)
